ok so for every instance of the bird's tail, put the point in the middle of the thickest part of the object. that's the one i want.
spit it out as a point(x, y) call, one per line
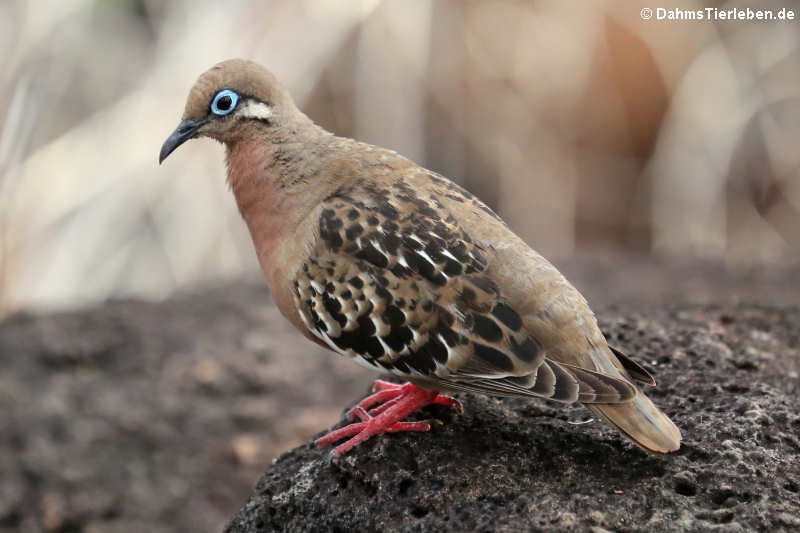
point(642, 422)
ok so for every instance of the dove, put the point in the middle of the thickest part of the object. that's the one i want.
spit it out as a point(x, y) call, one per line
point(401, 270)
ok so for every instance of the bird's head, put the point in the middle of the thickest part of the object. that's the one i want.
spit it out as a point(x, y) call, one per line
point(231, 100)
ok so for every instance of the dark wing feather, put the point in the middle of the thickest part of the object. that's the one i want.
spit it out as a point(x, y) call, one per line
point(634, 369)
point(397, 285)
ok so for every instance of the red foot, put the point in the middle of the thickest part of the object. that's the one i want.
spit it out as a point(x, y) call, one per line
point(394, 403)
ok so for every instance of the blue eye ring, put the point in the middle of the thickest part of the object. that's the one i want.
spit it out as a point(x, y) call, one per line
point(224, 102)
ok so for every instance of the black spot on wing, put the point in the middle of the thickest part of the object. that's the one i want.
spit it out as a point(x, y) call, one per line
point(446, 318)
point(528, 351)
point(366, 327)
point(394, 316)
point(333, 307)
point(507, 316)
point(420, 361)
point(332, 240)
point(353, 340)
point(388, 210)
point(391, 242)
point(435, 350)
point(371, 254)
point(452, 338)
point(459, 250)
point(373, 347)
point(434, 250)
point(452, 268)
point(468, 295)
point(483, 283)
point(352, 232)
point(400, 271)
point(422, 266)
point(384, 294)
point(317, 321)
point(486, 328)
point(495, 358)
point(334, 223)
point(398, 338)
point(412, 243)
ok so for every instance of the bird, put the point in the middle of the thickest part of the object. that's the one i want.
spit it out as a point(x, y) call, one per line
point(403, 271)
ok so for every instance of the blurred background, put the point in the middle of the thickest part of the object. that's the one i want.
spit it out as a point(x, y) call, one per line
point(648, 159)
point(585, 127)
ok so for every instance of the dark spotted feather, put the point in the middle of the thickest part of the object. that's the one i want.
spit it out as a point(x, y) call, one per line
point(409, 294)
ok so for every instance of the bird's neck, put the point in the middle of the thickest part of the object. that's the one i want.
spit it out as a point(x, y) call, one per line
point(277, 181)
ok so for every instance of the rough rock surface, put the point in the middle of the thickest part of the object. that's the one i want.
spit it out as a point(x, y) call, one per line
point(135, 416)
point(728, 377)
point(155, 417)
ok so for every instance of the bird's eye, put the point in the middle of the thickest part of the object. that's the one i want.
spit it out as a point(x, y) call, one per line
point(224, 102)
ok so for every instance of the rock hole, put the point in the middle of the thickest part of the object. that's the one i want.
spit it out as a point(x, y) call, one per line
point(736, 389)
point(791, 486)
point(685, 487)
point(418, 512)
point(405, 484)
point(721, 496)
point(746, 364)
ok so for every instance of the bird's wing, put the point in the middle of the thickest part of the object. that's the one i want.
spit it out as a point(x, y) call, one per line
point(395, 283)
point(634, 369)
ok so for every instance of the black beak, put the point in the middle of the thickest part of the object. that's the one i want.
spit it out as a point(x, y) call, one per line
point(186, 130)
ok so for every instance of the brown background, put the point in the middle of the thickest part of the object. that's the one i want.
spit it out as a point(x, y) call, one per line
point(584, 126)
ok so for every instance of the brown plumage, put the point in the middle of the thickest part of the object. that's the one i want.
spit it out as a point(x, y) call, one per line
point(403, 271)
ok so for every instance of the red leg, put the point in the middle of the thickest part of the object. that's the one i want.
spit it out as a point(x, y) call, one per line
point(381, 408)
point(373, 399)
point(397, 427)
point(380, 384)
point(397, 402)
point(447, 401)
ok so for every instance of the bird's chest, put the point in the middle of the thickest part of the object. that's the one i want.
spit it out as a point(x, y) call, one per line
point(280, 263)
point(282, 241)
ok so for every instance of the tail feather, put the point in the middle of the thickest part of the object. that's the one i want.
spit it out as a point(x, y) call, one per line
point(642, 422)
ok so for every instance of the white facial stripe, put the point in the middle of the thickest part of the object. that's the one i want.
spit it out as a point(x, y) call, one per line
point(253, 109)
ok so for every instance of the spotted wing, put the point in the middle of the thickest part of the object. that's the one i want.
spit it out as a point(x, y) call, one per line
point(397, 285)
